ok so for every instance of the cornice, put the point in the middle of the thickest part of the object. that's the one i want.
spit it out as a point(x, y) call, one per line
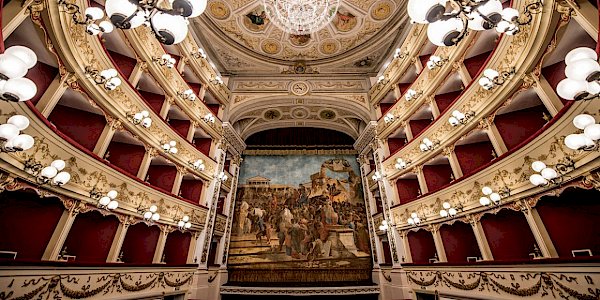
point(233, 138)
point(366, 137)
point(290, 291)
point(511, 52)
point(80, 50)
point(88, 172)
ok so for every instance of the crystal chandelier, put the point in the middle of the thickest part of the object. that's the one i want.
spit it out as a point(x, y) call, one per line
point(166, 18)
point(301, 17)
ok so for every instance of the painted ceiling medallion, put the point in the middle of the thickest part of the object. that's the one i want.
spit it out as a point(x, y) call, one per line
point(299, 88)
point(271, 47)
point(272, 114)
point(219, 10)
point(300, 113)
point(327, 114)
point(382, 10)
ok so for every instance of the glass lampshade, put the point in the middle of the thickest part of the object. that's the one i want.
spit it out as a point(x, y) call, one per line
point(580, 53)
point(8, 131)
point(575, 141)
point(113, 204)
point(486, 190)
point(495, 197)
point(104, 201)
point(22, 142)
point(443, 213)
point(549, 173)
point(19, 89)
point(23, 53)
point(147, 215)
point(59, 164)
point(112, 194)
point(155, 217)
point(442, 33)
point(11, 66)
point(537, 179)
point(188, 225)
point(425, 11)
point(569, 88)
point(484, 201)
point(186, 218)
point(582, 69)
point(538, 166)
point(592, 132)
point(94, 13)
point(49, 172)
point(583, 120)
point(61, 178)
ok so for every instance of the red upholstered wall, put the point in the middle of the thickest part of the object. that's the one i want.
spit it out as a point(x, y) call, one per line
point(404, 87)
point(475, 63)
point(83, 127)
point(395, 144)
point(126, 156)
point(203, 145)
point(459, 242)
point(572, 220)
point(91, 236)
point(417, 126)
point(472, 156)
point(43, 75)
point(140, 243)
point(214, 108)
point(425, 58)
point(162, 177)
point(515, 127)
point(155, 100)
point(181, 126)
point(191, 189)
point(195, 87)
point(437, 176)
point(177, 247)
point(422, 247)
point(443, 101)
point(124, 63)
point(27, 223)
point(508, 235)
point(385, 107)
point(408, 190)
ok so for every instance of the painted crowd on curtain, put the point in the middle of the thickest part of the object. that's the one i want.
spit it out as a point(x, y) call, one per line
point(299, 212)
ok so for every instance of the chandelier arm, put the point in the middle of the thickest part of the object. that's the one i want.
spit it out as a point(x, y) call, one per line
point(464, 32)
point(530, 10)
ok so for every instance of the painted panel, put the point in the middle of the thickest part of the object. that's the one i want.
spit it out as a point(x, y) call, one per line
point(300, 219)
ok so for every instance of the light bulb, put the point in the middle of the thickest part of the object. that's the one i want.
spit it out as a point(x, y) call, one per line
point(443, 213)
point(538, 166)
point(575, 141)
point(446, 205)
point(147, 215)
point(484, 201)
point(452, 211)
point(155, 217)
point(11, 66)
point(570, 89)
point(486, 190)
point(19, 89)
point(582, 69)
point(188, 225)
point(49, 172)
point(549, 173)
point(104, 201)
point(495, 197)
point(186, 218)
point(112, 194)
point(413, 215)
point(180, 224)
point(538, 180)
point(410, 221)
point(113, 204)
point(61, 178)
point(153, 208)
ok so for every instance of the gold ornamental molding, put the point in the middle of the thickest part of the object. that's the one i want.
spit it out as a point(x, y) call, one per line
point(547, 281)
point(79, 51)
point(511, 53)
point(88, 173)
point(91, 283)
point(513, 173)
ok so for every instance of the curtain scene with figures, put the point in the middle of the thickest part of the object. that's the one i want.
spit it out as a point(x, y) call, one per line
point(300, 219)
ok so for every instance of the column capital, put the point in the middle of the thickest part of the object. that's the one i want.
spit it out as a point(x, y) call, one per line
point(151, 151)
point(448, 150)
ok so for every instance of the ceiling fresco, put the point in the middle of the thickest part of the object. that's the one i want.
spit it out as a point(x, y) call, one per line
point(242, 38)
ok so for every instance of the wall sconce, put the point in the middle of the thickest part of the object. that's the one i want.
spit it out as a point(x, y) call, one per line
point(583, 73)
point(187, 95)
point(492, 78)
point(141, 118)
point(412, 95)
point(105, 201)
point(11, 138)
point(460, 118)
point(109, 77)
point(91, 15)
point(389, 118)
point(435, 62)
point(200, 54)
point(545, 175)
point(588, 140)
point(383, 79)
point(50, 174)
point(384, 225)
point(166, 60)
point(428, 145)
point(184, 223)
point(209, 118)
point(150, 214)
point(377, 176)
point(401, 164)
point(15, 62)
point(448, 211)
point(490, 197)
point(399, 54)
point(170, 147)
point(414, 219)
point(216, 80)
point(197, 165)
point(222, 176)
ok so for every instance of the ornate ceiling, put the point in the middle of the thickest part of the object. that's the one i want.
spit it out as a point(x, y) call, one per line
point(242, 40)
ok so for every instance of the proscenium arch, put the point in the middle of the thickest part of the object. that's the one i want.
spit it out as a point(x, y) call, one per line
point(292, 124)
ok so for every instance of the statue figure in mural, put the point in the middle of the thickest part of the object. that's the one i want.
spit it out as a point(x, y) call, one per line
point(243, 216)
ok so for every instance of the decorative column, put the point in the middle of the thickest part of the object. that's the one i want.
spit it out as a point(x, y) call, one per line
point(106, 136)
point(407, 257)
point(407, 131)
point(61, 231)
point(435, 110)
point(117, 243)
point(228, 210)
point(482, 243)
point(454, 164)
point(151, 152)
point(139, 69)
point(439, 243)
point(370, 208)
point(586, 16)
point(192, 131)
point(13, 15)
point(421, 178)
point(191, 258)
point(544, 90)
point(164, 110)
point(542, 238)
point(181, 64)
point(464, 74)
point(160, 245)
point(202, 92)
point(54, 92)
point(488, 125)
point(178, 179)
point(397, 92)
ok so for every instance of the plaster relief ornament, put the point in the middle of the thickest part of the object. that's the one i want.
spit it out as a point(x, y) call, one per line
point(299, 88)
point(219, 10)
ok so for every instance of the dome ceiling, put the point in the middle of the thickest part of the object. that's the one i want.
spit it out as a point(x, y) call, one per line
point(241, 38)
